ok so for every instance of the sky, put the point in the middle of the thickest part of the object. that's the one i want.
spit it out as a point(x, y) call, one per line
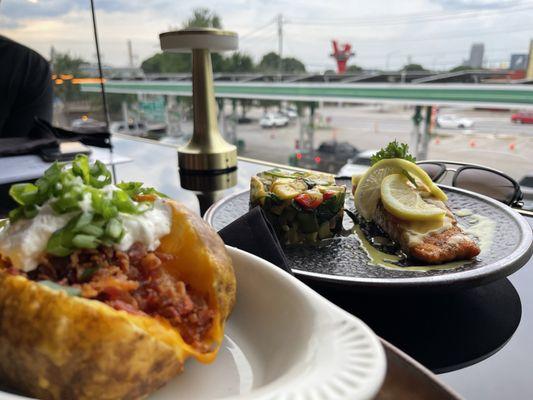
point(383, 33)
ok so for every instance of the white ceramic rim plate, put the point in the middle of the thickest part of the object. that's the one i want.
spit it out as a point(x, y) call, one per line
point(285, 342)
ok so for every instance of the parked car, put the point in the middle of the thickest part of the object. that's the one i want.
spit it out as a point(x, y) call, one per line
point(522, 117)
point(357, 165)
point(290, 112)
point(328, 157)
point(453, 121)
point(139, 128)
point(273, 120)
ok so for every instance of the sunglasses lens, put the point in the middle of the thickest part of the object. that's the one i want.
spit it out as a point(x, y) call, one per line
point(433, 170)
point(486, 182)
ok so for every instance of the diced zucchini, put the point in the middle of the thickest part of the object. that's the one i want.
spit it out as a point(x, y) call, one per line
point(324, 231)
point(307, 222)
point(287, 188)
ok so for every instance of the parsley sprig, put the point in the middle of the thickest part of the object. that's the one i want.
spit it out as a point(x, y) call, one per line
point(393, 150)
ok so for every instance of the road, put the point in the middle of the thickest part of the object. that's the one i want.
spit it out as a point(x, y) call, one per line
point(494, 141)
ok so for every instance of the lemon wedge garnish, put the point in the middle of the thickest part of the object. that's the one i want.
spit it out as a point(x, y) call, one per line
point(403, 201)
point(368, 192)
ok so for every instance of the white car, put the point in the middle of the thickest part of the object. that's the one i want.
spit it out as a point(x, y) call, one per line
point(358, 165)
point(290, 112)
point(271, 120)
point(453, 121)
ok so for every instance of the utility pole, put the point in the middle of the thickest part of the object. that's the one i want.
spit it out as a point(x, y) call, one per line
point(130, 53)
point(280, 45)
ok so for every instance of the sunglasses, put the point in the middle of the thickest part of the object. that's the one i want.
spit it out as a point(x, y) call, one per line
point(487, 181)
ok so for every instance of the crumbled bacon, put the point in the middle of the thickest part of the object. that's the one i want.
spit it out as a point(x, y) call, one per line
point(134, 282)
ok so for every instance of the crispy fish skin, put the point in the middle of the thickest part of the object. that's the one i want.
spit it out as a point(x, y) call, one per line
point(56, 346)
point(435, 248)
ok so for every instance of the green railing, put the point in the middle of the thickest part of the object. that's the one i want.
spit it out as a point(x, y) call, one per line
point(475, 95)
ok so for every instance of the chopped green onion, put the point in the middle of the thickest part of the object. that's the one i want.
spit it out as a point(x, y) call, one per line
point(88, 273)
point(80, 167)
point(82, 241)
point(65, 189)
point(58, 244)
point(83, 220)
point(92, 230)
point(24, 193)
point(30, 211)
point(114, 228)
point(71, 291)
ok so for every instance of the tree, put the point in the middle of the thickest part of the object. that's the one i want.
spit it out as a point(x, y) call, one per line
point(354, 68)
point(292, 65)
point(238, 62)
point(167, 63)
point(414, 67)
point(203, 18)
point(65, 64)
point(270, 63)
point(181, 62)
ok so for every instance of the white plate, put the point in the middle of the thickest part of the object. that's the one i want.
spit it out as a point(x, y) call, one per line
point(285, 342)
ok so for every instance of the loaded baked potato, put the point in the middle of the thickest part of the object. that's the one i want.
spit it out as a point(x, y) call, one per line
point(124, 287)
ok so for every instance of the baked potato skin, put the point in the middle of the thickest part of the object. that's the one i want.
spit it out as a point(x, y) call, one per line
point(199, 252)
point(56, 346)
point(53, 346)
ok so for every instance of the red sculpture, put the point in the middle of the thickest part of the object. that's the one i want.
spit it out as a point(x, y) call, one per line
point(341, 55)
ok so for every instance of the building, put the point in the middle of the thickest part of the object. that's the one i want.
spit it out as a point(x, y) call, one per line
point(518, 62)
point(476, 55)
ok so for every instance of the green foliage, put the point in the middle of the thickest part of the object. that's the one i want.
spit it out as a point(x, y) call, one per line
point(238, 62)
point(167, 63)
point(203, 18)
point(270, 63)
point(414, 67)
point(354, 68)
point(64, 63)
point(393, 150)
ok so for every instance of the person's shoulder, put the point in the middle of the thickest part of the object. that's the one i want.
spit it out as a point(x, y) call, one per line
point(18, 50)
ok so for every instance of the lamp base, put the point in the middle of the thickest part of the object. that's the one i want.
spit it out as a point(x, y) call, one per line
point(193, 160)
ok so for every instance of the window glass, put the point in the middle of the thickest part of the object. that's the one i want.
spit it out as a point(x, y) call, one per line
point(326, 48)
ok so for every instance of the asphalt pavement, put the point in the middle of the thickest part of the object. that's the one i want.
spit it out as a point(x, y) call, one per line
point(493, 141)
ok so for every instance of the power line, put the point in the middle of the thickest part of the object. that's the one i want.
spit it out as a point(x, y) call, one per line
point(408, 18)
point(449, 36)
point(252, 33)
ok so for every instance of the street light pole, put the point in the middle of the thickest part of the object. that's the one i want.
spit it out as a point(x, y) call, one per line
point(280, 45)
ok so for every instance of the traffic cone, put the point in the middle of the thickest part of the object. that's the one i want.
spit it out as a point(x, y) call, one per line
point(472, 143)
point(512, 146)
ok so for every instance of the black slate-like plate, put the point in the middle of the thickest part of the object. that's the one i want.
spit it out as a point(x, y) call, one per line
point(342, 260)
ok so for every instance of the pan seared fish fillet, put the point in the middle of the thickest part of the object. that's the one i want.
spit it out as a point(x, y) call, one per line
point(437, 244)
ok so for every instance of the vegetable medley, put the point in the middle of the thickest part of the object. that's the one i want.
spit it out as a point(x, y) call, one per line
point(302, 206)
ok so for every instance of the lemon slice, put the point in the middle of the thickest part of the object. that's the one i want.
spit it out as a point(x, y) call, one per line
point(368, 192)
point(404, 201)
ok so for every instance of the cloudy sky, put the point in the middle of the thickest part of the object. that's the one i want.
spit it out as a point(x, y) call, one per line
point(435, 33)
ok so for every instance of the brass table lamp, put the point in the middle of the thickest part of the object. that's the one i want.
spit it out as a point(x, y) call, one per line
point(207, 152)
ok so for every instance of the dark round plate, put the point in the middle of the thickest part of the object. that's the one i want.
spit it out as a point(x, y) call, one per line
point(343, 260)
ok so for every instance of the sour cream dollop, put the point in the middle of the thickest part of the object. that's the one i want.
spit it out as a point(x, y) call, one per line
point(24, 242)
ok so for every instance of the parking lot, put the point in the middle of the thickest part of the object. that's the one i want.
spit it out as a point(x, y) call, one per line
point(494, 141)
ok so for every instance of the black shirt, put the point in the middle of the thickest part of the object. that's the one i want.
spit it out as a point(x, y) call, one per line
point(25, 88)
